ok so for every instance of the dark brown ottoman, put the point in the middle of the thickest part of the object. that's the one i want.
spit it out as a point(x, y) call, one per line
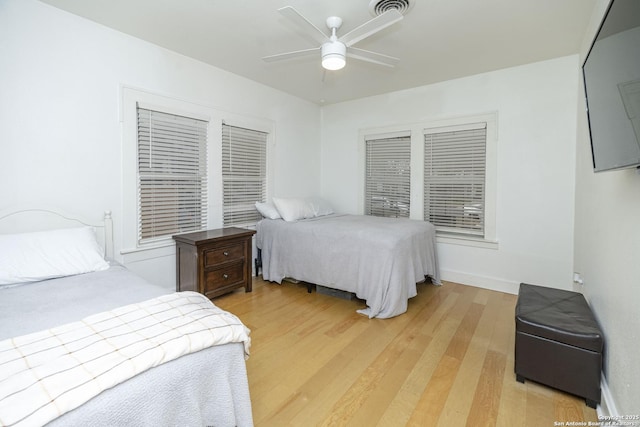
point(558, 342)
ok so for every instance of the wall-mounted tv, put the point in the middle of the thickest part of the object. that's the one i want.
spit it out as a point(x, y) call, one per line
point(612, 84)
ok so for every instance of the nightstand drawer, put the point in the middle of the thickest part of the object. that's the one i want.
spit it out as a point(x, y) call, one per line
point(229, 275)
point(216, 256)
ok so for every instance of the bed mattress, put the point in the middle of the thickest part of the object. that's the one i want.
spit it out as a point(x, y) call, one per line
point(208, 387)
point(378, 259)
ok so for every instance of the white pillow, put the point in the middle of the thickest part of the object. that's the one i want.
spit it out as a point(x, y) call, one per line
point(319, 206)
point(293, 209)
point(267, 210)
point(29, 257)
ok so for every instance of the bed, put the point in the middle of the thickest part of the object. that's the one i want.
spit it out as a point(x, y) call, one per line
point(181, 372)
point(380, 260)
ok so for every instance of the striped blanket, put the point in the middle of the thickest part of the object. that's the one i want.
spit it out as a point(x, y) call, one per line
point(45, 374)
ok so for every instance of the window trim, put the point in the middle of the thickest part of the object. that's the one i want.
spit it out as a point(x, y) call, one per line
point(131, 98)
point(491, 182)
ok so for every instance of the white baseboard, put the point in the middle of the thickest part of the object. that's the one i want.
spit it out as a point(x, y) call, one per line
point(607, 407)
point(490, 283)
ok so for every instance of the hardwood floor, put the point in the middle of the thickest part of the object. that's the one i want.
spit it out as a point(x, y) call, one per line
point(448, 361)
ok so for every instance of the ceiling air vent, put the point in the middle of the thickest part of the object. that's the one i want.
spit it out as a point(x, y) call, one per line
point(378, 7)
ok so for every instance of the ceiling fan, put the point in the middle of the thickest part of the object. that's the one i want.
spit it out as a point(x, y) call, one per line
point(334, 50)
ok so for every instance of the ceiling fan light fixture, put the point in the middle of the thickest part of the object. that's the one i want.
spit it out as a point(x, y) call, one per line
point(334, 56)
point(333, 48)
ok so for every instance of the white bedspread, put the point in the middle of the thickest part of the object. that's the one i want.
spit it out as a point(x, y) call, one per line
point(46, 374)
point(378, 259)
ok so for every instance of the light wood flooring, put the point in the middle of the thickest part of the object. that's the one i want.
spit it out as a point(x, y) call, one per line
point(448, 361)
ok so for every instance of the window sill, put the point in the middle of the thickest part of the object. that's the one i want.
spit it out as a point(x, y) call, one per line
point(158, 249)
point(476, 242)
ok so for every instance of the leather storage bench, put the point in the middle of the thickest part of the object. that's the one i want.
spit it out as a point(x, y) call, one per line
point(558, 341)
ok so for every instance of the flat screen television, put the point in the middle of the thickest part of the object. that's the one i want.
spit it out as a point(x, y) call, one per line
point(611, 74)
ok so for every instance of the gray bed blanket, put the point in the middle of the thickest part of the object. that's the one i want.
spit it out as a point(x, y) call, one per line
point(208, 387)
point(378, 259)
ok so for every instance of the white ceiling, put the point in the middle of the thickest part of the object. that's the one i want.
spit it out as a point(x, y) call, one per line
point(437, 40)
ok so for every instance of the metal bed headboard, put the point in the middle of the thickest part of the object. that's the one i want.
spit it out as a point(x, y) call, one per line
point(28, 219)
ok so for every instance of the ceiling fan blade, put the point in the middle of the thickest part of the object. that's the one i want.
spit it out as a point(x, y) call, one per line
point(371, 27)
point(289, 55)
point(368, 56)
point(295, 16)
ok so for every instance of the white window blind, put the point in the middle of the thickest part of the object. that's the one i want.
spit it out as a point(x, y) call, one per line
point(388, 176)
point(244, 174)
point(172, 174)
point(454, 178)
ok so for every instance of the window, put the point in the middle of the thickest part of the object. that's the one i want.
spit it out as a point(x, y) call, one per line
point(388, 175)
point(447, 168)
point(454, 178)
point(244, 174)
point(172, 174)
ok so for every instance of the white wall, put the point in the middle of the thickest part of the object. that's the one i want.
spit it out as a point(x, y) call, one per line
point(61, 146)
point(61, 81)
point(607, 254)
point(535, 106)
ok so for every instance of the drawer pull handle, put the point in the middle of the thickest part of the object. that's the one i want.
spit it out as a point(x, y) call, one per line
point(225, 276)
point(225, 253)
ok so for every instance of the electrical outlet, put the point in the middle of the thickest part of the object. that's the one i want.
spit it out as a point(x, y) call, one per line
point(577, 278)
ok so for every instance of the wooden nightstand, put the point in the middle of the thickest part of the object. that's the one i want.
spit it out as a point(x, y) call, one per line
point(214, 262)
